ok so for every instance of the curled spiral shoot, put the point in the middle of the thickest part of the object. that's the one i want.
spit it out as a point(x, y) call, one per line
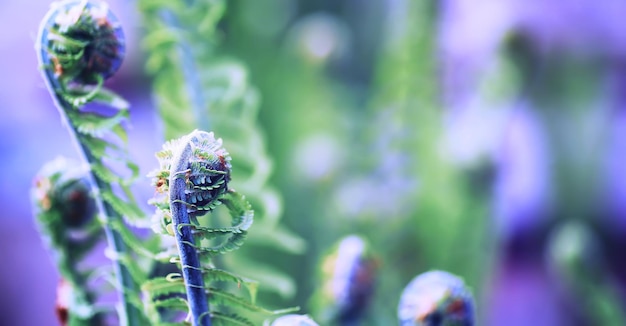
point(200, 161)
point(65, 215)
point(436, 298)
point(84, 45)
point(79, 45)
point(62, 195)
point(348, 276)
point(191, 181)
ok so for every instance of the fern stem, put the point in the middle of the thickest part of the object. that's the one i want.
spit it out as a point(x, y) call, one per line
point(129, 314)
point(189, 71)
point(190, 264)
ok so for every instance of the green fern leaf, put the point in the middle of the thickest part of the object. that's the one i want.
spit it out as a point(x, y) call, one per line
point(226, 299)
point(163, 286)
point(176, 303)
point(215, 275)
point(95, 125)
point(131, 213)
point(220, 319)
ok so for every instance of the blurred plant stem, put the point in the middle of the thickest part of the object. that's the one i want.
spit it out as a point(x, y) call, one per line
point(448, 219)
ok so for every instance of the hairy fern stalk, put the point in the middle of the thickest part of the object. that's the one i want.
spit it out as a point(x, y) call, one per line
point(197, 89)
point(191, 181)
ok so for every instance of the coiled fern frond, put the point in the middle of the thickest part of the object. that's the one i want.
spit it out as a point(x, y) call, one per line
point(80, 44)
point(196, 88)
point(65, 215)
point(436, 298)
point(347, 282)
point(191, 181)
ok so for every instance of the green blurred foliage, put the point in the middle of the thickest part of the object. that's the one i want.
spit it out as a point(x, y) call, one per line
point(350, 108)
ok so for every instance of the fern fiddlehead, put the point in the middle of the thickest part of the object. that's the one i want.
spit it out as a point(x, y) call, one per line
point(63, 206)
point(191, 181)
point(198, 172)
point(194, 88)
point(80, 44)
point(348, 279)
point(436, 298)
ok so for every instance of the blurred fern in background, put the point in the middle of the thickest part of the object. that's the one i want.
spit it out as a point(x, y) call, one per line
point(365, 158)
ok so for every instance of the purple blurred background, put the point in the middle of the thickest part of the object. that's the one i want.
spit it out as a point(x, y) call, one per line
point(554, 129)
point(545, 81)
